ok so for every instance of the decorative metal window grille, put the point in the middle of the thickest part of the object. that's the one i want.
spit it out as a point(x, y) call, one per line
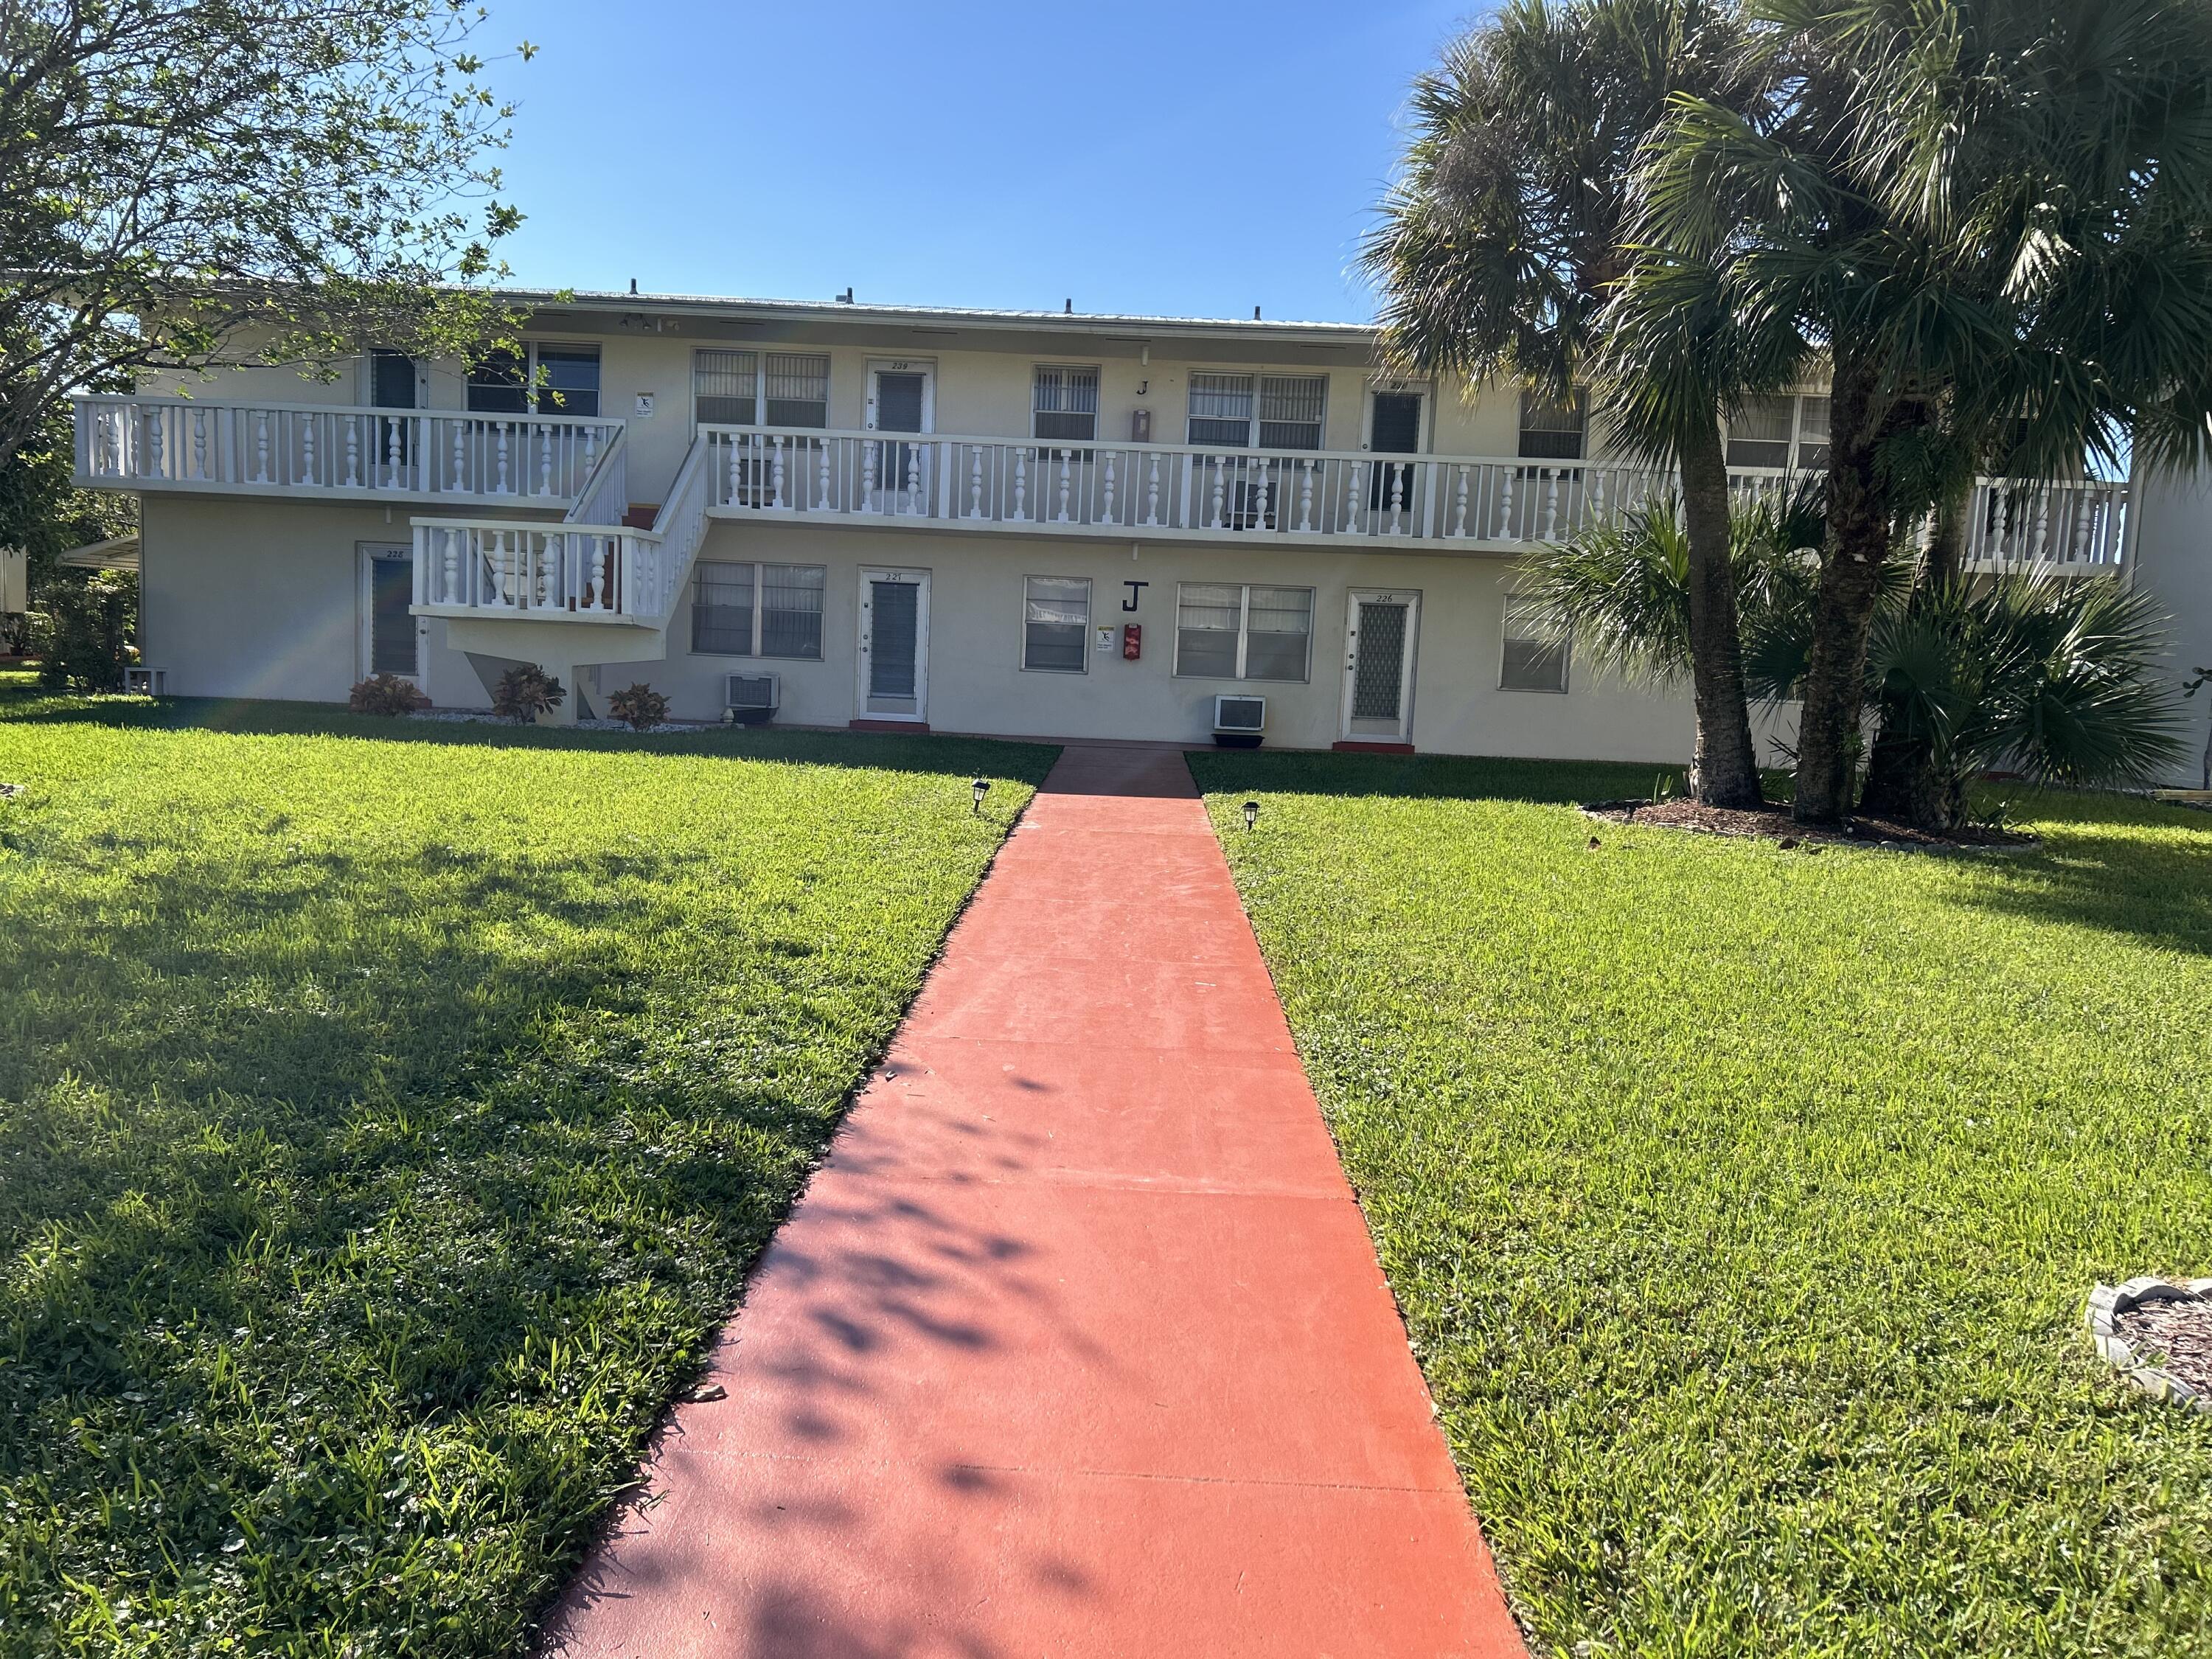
point(733, 388)
point(1065, 402)
point(798, 389)
point(1221, 410)
point(757, 609)
point(1291, 410)
point(725, 388)
point(1552, 429)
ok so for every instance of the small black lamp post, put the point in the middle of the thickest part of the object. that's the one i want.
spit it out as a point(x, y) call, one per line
point(1251, 814)
point(979, 788)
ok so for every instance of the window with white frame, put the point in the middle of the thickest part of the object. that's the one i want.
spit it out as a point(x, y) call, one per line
point(760, 388)
point(1055, 622)
point(1064, 403)
point(1270, 411)
point(1536, 650)
point(1769, 432)
point(1553, 428)
point(1242, 631)
point(544, 377)
point(757, 609)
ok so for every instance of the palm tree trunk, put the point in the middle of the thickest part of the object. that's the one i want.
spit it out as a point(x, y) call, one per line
point(1901, 780)
point(1725, 772)
point(1843, 603)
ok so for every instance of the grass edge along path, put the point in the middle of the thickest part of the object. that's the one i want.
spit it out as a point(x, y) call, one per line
point(1741, 1202)
point(389, 1113)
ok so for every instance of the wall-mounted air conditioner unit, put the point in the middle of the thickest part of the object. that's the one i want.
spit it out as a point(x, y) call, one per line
point(751, 699)
point(149, 681)
point(1239, 721)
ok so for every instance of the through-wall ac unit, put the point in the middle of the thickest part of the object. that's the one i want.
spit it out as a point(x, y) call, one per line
point(1238, 721)
point(751, 699)
point(151, 682)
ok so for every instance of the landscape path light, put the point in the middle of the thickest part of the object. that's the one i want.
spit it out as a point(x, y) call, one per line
point(1251, 814)
point(979, 788)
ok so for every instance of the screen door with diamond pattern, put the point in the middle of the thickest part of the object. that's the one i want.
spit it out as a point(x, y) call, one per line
point(1378, 665)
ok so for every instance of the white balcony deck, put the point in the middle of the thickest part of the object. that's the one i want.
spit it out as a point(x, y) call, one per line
point(322, 451)
point(1429, 503)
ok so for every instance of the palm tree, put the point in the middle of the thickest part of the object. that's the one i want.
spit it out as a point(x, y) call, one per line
point(1981, 218)
point(1507, 232)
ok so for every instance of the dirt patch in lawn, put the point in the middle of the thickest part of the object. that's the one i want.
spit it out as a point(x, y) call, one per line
point(2175, 1334)
point(1775, 824)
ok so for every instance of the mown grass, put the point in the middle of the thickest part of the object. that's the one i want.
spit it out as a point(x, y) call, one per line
point(387, 1116)
point(1742, 1203)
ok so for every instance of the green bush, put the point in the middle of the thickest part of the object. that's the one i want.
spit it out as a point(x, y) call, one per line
point(386, 694)
point(82, 639)
point(640, 706)
point(526, 691)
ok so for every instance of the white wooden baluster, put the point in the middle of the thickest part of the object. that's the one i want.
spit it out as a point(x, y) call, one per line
point(460, 468)
point(974, 481)
point(775, 471)
point(452, 565)
point(1352, 497)
point(591, 458)
point(1551, 503)
point(1220, 488)
point(2084, 513)
point(391, 480)
point(868, 475)
point(308, 425)
point(913, 477)
point(544, 459)
point(153, 441)
point(261, 446)
point(1152, 492)
point(1505, 526)
point(2042, 525)
point(199, 443)
point(1021, 483)
point(353, 452)
point(1305, 496)
point(503, 427)
point(1397, 471)
point(1260, 520)
point(1459, 502)
point(1066, 463)
point(1108, 517)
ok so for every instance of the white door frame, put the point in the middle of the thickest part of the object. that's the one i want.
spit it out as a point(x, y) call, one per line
point(366, 556)
point(1411, 599)
point(924, 366)
point(870, 575)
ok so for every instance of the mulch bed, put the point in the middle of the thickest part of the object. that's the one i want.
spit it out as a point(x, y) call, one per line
point(2177, 1334)
point(1776, 824)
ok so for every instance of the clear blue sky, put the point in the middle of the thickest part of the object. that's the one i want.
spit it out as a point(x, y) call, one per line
point(1199, 158)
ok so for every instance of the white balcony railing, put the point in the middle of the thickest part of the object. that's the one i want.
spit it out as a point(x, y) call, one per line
point(185, 443)
point(1316, 496)
point(555, 572)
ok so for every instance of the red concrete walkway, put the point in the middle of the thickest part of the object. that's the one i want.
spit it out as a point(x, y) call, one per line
point(1076, 1345)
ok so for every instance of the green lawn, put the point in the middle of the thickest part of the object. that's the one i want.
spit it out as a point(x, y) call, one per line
point(387, 1114)
point(1742, 1203)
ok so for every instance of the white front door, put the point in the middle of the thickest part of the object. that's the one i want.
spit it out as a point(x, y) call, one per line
point(391, 636)
point(902, 398)
point(895, 644)
point(1380, 627)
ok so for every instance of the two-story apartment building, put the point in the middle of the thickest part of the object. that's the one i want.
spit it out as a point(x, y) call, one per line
point(1031, 523)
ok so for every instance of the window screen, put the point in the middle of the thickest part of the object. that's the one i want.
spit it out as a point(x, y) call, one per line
point(391, 644)
point(724, 387)
point(1812, 434)
point(568, 379)
point(1279, 622)
point(1221, 410)
point(1055, 617)
point(1535, 657)
point(495, 384)
point(1209, 617)
point(1291, 410)
point(791, 610)
point(1759, 433)
point(1552, 429)
point(1065, 402)
point(798, 389)
point(722, 608)
point(1226, 630)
